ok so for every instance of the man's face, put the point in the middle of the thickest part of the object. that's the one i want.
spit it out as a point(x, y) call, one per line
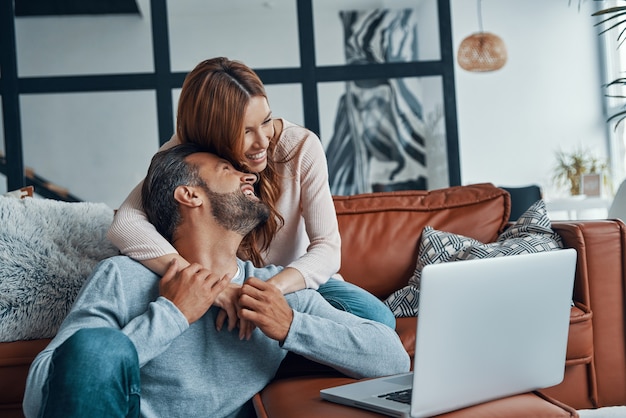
point(231, 194)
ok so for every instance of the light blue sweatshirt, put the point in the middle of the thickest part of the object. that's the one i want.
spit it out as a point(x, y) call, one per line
point(196, 371)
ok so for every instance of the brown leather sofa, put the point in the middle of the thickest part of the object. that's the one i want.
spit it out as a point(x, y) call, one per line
point(380, 234)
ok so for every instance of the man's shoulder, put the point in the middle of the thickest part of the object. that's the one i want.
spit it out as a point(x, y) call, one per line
point(122, 274)
point(125, 265)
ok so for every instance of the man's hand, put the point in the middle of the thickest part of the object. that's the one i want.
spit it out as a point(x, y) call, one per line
point(228, 300)
point(192, 289)
point(264, 305)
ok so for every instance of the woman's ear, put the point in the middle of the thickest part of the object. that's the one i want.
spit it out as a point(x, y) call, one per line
point(187, 195)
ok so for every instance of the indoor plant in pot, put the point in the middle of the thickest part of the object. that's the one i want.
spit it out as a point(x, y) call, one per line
point(572, 166)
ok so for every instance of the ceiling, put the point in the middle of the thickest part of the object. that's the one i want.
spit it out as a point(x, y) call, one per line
point(74, 7)
point(26, 8)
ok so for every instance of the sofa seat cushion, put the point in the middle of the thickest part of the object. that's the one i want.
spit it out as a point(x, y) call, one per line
point(580, 338)
point(277, 400)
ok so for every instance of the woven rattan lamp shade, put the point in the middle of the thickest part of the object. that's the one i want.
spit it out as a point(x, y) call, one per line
point(482, 51)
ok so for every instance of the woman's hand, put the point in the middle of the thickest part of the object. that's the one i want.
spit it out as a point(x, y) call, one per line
point(287, 281)
point(228, 300)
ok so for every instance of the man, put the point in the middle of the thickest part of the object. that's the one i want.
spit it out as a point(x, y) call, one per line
point(132, 335)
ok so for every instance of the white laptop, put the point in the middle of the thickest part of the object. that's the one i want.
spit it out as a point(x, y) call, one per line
point(488, 328)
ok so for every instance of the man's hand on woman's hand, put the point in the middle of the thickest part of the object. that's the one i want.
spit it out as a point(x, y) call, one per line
point(192, 289)
point(264, 305)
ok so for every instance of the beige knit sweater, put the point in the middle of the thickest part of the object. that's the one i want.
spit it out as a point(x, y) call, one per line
point(309, 241)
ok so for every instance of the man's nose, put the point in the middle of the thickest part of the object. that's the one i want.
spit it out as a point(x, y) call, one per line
point(250, 178)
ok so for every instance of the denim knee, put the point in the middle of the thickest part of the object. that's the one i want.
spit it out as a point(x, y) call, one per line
point(351, 298)
point(104, 350)
point(94, 373)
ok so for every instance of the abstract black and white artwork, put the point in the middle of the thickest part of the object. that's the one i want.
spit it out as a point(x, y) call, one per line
point(379, 138)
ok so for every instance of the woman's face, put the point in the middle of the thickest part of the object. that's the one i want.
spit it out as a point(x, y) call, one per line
point(259, 130)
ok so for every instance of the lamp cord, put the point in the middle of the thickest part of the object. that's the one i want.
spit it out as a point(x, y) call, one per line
point(480, 15)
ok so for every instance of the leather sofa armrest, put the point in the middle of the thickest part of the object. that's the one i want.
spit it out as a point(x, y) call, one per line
point(599, 288)
point(600, 248)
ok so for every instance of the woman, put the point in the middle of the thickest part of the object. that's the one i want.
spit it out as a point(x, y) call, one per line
point(223, 107)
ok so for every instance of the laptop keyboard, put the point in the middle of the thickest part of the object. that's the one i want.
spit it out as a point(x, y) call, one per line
point(403, 396)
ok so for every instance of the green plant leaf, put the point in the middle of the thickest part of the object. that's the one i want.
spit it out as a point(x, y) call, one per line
point(618, 118)
point(608, 10)
point(617, 81)
point(616, 16)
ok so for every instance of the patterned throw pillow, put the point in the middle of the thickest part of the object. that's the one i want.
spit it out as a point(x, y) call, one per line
point(531, 233)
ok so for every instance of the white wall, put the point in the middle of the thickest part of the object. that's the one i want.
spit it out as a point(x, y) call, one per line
point(547, 97)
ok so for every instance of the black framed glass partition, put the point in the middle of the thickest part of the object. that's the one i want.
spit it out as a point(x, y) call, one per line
point(86, 101)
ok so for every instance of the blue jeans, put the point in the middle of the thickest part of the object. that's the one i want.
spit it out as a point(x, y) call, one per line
point(95, 374)
point(351, 298)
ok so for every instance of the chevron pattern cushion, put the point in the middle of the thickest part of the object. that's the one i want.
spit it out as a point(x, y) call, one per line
point(531, 233)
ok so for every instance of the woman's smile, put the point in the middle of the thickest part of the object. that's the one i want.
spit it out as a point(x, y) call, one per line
point(257, 157)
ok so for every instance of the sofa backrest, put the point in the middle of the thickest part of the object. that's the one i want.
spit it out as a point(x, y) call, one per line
point(380, 232)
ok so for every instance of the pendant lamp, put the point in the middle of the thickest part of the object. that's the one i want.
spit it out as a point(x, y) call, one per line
point(481, 51)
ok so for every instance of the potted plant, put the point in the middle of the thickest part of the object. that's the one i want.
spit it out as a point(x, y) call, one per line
point(572, 166)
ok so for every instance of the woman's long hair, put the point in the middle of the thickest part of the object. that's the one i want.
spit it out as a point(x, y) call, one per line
point(211, 111)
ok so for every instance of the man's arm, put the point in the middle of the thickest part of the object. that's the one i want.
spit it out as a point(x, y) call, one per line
point(122, 294)
point(313, 328)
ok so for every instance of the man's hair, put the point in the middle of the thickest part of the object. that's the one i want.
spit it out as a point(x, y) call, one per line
point(168, 170)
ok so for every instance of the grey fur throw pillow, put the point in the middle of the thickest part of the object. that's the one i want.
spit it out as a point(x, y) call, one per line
point(47, 250)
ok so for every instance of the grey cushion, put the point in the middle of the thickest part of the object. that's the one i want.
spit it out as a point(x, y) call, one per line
point(47, 250)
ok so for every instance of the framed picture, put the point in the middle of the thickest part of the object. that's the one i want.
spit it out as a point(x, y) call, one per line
point(385, 133)
point(591, 185)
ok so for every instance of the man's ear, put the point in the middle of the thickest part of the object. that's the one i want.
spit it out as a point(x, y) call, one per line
point(187, 195)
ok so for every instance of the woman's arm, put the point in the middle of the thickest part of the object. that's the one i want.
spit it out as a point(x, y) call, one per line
point(289, 280)
point(306, 199)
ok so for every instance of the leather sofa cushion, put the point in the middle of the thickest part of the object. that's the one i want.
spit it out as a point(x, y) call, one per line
point(380, 232)
point(15, 360)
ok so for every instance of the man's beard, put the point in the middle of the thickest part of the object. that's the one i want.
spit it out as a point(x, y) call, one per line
point(236, 212)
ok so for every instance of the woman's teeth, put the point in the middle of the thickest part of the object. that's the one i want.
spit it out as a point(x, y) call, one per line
point(257, 156)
